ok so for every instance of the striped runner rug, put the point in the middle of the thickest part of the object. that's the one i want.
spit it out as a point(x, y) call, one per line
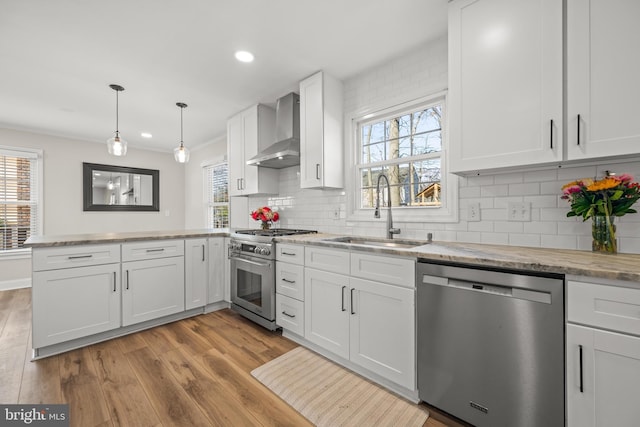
point(329, 395)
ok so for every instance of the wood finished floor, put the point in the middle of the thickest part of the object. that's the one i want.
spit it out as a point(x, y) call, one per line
point(195, 372)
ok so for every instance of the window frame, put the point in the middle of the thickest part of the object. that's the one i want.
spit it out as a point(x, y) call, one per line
point(37, 154)
point(205, 190)
point(448, 211)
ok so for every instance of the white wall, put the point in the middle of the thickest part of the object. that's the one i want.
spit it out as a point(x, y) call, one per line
point(210, 153)
point(63, 212)
point(418, 73)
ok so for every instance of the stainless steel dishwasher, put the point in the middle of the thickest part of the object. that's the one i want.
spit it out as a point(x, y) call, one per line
point(491, 345)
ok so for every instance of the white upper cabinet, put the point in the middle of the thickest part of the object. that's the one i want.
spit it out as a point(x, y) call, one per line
point(321, 147)
point(247, 133)
point(505, 83)
point(603, 65)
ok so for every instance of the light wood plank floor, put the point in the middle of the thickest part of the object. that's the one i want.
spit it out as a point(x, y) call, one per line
point(195, 372)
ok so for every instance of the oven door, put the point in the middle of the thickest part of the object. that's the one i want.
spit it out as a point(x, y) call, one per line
point(253, 285)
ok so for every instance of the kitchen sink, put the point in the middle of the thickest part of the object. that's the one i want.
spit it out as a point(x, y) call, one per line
point(385, 243)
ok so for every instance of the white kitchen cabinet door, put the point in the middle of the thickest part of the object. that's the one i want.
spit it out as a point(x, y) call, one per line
point(326, 315)
point(249, 132)
point(75, 302)
point(505, 83)
point(227, 272)
point(609, 374)
point(603, 65)
point(196, 273)
point(217, 260)
point(382, 323)
point(152, 289)
point(321, 147)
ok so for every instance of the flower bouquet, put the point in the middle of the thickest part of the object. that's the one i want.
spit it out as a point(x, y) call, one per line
point(602, 200)
point(266, 215)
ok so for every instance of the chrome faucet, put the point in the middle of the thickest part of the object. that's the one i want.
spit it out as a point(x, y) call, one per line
point(390, 230)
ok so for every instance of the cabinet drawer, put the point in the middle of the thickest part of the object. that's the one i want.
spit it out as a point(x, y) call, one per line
point(290, 253)
point(333, 260)
point(290, 280)
point(152, 249)
point(395, 271)
point(74, 256)
point(604, 306)
point(290, 314)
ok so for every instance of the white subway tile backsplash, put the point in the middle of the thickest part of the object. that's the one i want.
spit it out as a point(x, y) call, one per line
point(494, 190)
point(524, 240)
point(495, 238)
point(542, 201)
point(528, 189)
point(509, 178)
point(541, 176)
point(558, 242)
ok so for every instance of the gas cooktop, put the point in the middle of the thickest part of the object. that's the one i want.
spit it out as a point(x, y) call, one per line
point(274, 232)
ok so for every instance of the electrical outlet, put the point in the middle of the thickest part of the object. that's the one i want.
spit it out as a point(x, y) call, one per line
point(336, 213)
point(473, 211)
point(519, 211)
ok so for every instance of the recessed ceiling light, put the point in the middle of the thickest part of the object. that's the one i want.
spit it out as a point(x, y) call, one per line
point(146, 135)
point(244, 56)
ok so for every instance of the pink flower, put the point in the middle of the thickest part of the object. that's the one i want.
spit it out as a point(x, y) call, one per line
point(571, 190)
point(625, 177)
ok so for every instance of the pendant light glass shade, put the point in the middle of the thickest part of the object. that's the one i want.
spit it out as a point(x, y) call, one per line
point(116, 145)
point(181, 153)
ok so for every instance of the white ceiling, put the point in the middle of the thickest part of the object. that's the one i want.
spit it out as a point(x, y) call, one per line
point(57, 59)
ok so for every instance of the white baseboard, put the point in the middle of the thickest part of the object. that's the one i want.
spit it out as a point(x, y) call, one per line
point(6, 285)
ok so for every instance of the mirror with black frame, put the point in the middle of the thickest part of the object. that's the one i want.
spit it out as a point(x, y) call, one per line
point(120, 188)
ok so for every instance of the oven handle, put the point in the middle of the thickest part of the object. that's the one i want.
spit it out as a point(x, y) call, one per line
point(259, 264)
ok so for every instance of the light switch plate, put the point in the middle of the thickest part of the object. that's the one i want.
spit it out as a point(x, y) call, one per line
point(473, 212)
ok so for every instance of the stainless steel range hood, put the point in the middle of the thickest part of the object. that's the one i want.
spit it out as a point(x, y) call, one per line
point(286, 151)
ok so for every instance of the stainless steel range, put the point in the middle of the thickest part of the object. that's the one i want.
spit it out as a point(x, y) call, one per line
point(253, 275)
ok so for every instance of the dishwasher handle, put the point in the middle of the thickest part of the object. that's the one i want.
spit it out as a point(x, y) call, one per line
point(498, 290)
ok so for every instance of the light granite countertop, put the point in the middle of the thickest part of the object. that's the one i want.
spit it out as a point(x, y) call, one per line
point(570, 262)
point(133, 236)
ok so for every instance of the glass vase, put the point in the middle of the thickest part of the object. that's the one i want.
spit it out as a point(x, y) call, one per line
point(266, 225)
point(603, 231)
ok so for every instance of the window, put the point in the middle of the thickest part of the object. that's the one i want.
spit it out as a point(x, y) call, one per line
point(20, 209)
point(407, 147)
point(217, 195)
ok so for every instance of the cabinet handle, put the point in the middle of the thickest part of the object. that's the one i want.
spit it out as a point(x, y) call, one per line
point(551, 134)
point(242, 183)
point(578, 129)
point(127, 279)
point(114, 281)
point(287, 253)
point(288, 281)
point(79, 256)
point(288, 315)
point(581, 378)
point(202, 253)
point(238, 184)
point(343, 288)
point(352, 312)
point(155, 250)
point(317, 170)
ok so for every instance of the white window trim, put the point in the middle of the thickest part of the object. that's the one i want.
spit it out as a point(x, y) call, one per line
point(25, 253)
point(205, 196)
point(447, 213)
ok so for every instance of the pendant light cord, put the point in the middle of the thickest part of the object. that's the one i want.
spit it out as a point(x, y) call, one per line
point(117, 125)
point(181, 125)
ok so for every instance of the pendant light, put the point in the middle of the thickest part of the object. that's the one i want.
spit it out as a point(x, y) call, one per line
point(116, 145)
point(181, 153)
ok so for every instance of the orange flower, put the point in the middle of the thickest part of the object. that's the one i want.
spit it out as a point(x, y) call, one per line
point(603, 184)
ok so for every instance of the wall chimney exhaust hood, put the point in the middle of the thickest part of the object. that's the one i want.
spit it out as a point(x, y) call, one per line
point(286, 151)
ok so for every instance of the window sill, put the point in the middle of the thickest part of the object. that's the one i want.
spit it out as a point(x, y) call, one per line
point(15, 254)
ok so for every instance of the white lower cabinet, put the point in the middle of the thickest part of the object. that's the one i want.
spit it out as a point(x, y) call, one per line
point(372, 324)
point(603, 354)
point(71, 303)
point(326, 315)
point(217, 266)
point(152, 288)
point(603, 373)
point(196, 273)
point(382, 330)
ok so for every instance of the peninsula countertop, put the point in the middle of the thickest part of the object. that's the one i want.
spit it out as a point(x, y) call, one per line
point(132, 236)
